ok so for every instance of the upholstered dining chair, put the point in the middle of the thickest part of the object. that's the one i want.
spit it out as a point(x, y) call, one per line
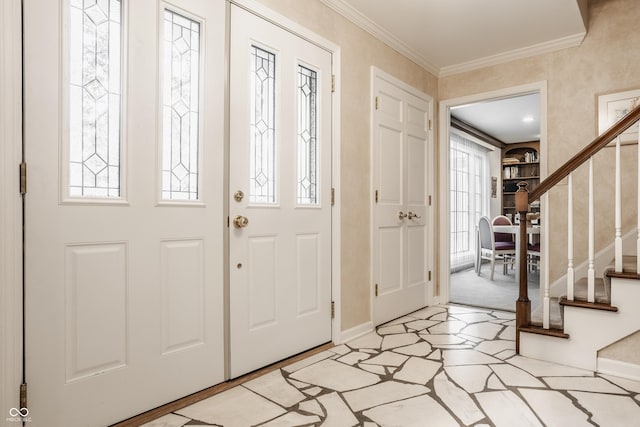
point(493, 250)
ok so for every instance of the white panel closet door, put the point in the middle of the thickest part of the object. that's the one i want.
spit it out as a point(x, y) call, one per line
point(400, 138)
point(280, 158)
point(124, 129)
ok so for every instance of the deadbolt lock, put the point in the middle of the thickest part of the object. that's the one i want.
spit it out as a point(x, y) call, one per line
point(240, 221)
point(238, 196)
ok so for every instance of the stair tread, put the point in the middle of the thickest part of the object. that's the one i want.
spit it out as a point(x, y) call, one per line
point(552, 332)
point(585, 304)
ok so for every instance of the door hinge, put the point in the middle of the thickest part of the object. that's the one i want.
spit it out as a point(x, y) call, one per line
point(333, 310)
point(376, 196)
point(23, 178)
point(376, 290)
point(333, 196)
point(429, 275)
point(430, 125)
point(333, 83)
point(377, 103)
point(23, 396)
point(429, 200)
point(227, 222)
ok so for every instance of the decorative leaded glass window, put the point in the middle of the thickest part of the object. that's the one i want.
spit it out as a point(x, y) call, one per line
point(307, 141)
point(94, 98)
point(181, 116)
point(262, 152)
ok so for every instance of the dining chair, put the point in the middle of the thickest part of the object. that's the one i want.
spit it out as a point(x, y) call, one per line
point(492, 250)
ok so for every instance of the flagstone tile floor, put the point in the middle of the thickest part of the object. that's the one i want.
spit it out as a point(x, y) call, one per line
point(439, 366)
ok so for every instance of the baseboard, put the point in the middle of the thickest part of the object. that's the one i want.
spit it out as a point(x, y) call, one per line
point(618, 368)
point(356, 332)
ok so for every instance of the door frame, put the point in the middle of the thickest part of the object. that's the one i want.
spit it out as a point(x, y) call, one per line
point(429, 184)
point(11, 300)
point(444, 125)
point(287, 24)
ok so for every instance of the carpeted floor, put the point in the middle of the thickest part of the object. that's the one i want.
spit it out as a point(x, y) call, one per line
point(470, 289)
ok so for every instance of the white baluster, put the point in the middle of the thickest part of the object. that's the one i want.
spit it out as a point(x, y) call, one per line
point(571, 274)
point(618, 240)
point(591, 277)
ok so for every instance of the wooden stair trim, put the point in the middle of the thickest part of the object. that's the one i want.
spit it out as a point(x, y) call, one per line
point(539, 330)
point(585, 304)
point(624, 275)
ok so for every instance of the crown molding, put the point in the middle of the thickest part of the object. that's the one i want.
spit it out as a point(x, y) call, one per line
point(525, 52)
point(353, 15)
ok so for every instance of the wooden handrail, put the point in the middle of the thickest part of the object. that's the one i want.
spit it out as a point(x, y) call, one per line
point(596, 145)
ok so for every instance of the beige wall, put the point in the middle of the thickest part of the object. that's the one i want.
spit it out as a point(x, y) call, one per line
point(359, 51)
point(607, 61)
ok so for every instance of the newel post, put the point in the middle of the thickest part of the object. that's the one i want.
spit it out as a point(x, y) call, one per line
point(523, 305)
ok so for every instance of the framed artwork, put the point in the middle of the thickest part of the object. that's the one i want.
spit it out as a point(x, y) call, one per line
point(494, 187)
point(613, 107)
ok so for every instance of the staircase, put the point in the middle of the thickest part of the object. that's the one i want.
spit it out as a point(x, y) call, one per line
point(595, 312)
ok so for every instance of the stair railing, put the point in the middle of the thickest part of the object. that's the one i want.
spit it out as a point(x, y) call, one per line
point(524, 198)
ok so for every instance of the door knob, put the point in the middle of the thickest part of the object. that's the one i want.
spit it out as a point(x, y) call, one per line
point(240, 221)
point(402, 215)
point(411, 215)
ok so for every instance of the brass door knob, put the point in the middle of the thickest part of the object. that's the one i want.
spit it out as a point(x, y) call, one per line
point(411, 215)
point(240, 221)
point(402, 215)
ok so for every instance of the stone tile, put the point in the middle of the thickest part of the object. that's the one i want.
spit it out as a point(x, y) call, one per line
point(399, 340)
point(292, 419)
point(369, 350)
point(312, 391)
point(298, 384)
point(419, 349)
point(169, 420)
point(275, 388)
point(429, 312)
point(456, 346)
point(455, 309)
point(436, 355)
point(503, 315)
point(457, 400)
point(506, 354)
point(509, 333)
point(353, 357)
point(400, 320)
point(484, 330)
point(236, 407)
point(540, 368)
point(312, 407)
point(637, 397)
point(506, 409)
point(467, 357)
point(387, 358)
point(596, 384)
point(447, 327)
point(308, 361)
point(338, 413)
point(369, 424)
point(473, 317)
point(516, 377)
point(416, 412)
point(608, 410)
point(419, 325)
point(335, 376)
point(469, 338)
point(554, 408)
point(341, 349)
point(440, 317)
point(472, 378)
point(437, 340)
point(495, 347)
point(394, 329)
point(417, 370)
point(494, 383)
point(629, 385)
point(376, 369)
point(379, 394)
point(370, 340)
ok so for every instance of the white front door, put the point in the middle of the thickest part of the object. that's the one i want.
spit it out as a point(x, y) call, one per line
point(280, 194)
point(400, 211)
point(124, 120)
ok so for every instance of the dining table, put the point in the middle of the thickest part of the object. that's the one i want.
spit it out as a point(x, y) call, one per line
point(510, 229)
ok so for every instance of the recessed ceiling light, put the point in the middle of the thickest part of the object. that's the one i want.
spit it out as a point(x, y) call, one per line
point(527, 119)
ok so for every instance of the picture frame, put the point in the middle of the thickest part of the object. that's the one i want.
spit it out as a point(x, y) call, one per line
point(612, 107)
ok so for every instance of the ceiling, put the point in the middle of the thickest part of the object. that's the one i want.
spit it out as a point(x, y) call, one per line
point(510, 120)
point(452, 36)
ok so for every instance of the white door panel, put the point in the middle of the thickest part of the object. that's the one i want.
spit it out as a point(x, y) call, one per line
point(400, 138)
point(280, 272)
point(123, 293)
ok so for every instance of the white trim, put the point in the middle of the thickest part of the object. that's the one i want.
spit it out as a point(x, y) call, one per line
point(11, 210)
point(443, 191)
point(618, 368)
point(285, 23)
point(356, 17)
point(357, 332)
point(429, 182)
